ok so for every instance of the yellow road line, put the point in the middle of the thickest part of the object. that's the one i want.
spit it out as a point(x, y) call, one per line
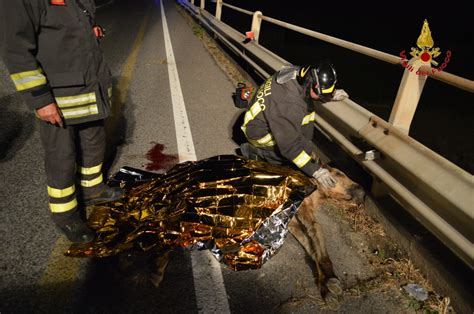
point(120, 93)
point(61, 269)
point(127, 70)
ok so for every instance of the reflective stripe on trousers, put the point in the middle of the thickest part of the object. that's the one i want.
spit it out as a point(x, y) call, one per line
point(90, 176)
point(62, 200)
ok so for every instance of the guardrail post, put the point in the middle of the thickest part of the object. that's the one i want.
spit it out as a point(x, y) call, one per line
point(218, 9)
point(203, 4)
point(256, 22)
point(408, 95)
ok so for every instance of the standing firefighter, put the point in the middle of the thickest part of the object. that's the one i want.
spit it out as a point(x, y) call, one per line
point(52, 52)
point(279, 122)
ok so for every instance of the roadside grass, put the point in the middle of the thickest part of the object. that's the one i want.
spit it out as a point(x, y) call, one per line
point(393, 269)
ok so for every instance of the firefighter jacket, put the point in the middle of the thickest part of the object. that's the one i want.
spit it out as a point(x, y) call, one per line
point(279, 118)
point(53, 55)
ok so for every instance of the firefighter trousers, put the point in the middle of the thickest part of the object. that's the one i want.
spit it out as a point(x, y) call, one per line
point(73, 159)
point(251, 152)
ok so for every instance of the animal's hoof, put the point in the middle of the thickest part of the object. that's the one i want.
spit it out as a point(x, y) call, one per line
point(161, 263)
point(334, 285)
point(332, 301)
point(156, 279)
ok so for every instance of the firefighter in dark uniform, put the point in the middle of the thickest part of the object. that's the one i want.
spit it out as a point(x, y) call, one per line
point(51, 49)
point(278, 124)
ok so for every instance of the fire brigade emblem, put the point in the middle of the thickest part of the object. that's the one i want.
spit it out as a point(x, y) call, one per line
point(425, 42)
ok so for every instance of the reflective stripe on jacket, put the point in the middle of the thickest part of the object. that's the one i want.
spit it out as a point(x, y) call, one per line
point(279, 118)
point(53, 55)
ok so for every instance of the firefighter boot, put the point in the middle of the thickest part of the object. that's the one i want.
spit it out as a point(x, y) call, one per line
point(73, 227)
point(108, 194)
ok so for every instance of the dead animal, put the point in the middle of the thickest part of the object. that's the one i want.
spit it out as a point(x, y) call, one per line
point(239, 209)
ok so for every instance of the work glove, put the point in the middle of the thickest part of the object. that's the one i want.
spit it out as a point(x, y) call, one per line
point(339, 95)
point(324, 177)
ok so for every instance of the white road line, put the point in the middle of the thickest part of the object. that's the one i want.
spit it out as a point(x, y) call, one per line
point(183, 132)
point(211, 295)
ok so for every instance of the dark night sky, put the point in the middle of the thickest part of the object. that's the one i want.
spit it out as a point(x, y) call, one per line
point(389, 27)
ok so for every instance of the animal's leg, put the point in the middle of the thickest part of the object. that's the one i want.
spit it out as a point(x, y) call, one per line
point(161, 263)
point(298, 231)
point(316, 235)
point(329, 286)
point(317, 244)
point(306, 216)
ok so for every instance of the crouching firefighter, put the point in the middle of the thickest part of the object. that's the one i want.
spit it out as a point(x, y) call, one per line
point(279, 121)
point(51, 49)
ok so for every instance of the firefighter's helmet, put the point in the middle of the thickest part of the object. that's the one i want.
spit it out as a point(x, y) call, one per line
point(321, 78)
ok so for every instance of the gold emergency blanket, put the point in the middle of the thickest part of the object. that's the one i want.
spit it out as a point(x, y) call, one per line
point(237, 208)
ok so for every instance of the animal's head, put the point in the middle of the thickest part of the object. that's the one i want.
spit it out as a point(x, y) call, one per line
point(346, 190)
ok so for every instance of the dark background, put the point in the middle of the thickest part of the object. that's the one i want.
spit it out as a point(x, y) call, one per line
point(445, 115)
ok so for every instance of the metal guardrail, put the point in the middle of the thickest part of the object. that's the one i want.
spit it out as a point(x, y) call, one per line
point(449, 78)
point(434, 190)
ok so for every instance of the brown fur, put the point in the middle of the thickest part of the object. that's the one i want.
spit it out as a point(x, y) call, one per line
point(307, 231)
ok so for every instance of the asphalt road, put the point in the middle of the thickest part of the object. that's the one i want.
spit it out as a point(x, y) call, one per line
point(36, 277)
